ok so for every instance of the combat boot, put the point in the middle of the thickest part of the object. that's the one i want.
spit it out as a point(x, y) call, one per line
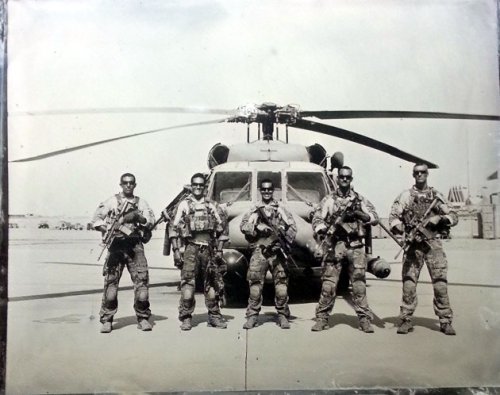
point(447, 329)
point(186, 324)
point(404, 327)
point(365, 325)
point(321, 324)
point(283, 322)
point(144, 325)
point(217, 322)
point(251, 322)
point(106, 327)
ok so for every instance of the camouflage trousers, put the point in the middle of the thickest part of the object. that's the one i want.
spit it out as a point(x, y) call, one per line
point(197, 258)
point(355, 259)
point(259, 265)
point(433, 255)
point(129, 253)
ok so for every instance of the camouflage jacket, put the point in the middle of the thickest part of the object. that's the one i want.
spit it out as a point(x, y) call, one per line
point(194, 216)
point(279, 216)
point(412, 203)
point(334, 205)
point(108, 209)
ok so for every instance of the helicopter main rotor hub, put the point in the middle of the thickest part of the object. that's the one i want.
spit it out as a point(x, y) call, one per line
point(267, 114)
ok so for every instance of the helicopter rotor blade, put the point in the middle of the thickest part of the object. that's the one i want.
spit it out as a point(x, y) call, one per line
point(395, 114)
point(360, 139)
point(121, 110)
point(83, 146)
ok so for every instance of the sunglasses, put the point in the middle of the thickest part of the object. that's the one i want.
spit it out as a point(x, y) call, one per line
point(266, 189)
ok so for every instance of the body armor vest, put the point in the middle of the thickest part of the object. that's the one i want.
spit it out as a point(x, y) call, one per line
point(418, 205)
point(350, 227)
point(201, 218)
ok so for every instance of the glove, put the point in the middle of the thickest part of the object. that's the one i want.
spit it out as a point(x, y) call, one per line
point(349, 216)
point(178, 259)
point(434, 220)
point(131, 217)
point(218, 256)
point(102, 229)
point(397, 229)
point(321, 230)
point(264, 230)
point(361, 215)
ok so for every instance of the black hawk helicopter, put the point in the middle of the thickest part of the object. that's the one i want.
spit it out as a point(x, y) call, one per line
point(301, 174)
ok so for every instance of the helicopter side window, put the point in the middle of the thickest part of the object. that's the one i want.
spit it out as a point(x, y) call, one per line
point(232, 186)
point(305, 186)
point(275, 177)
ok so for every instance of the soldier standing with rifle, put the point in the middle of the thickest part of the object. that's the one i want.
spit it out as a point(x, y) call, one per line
point(200, 225)
point(267, 227)
point(422, 215)
point(340, 221)
point(125, 221)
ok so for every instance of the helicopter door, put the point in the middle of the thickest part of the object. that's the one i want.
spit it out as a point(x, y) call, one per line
point(275, 177)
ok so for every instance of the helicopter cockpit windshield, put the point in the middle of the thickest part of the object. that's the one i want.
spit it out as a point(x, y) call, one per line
point(308, 187)
point(232, 186)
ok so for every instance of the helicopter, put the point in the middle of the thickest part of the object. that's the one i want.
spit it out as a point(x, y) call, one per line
point(301, 174)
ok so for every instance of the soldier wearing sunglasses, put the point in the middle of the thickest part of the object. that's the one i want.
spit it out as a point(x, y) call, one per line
point(339, 224)
point(265, 255)
point(407, 211)
point(200, 225)
point(127, 250)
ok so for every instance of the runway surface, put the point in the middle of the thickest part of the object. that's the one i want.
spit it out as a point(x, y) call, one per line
point(54, 344)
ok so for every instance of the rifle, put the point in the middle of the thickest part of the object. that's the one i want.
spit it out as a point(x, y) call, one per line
point(166, 216)
point(283, 245)
point(418, 231)
point(339, 221)
point(116, 225)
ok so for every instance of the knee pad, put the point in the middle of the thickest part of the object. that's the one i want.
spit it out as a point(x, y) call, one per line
point(255, 292)
point(281, 291)
point(143, 295)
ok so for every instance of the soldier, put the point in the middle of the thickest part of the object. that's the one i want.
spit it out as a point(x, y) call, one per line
point(200, 225)
point(126, 249)
point(266, 254)
point(340, 220)
point(407, 213)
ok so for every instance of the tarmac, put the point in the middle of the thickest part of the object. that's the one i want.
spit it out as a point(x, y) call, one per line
point(54, 344)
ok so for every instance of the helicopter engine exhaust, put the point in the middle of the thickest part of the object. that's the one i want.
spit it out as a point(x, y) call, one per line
point(336, 160)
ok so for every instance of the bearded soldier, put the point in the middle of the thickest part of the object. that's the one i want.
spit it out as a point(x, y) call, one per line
point(340, 221)
point(200, 225)
point(423, 216)
point(266, 253)
point(126, 249)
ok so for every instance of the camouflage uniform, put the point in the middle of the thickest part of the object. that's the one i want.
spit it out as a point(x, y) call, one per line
point(200, 224)
point(410, 204)
point(265, 257)
point(124, 251)
point(344, 245)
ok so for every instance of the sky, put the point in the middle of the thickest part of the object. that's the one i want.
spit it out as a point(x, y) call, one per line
point(322, 55)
